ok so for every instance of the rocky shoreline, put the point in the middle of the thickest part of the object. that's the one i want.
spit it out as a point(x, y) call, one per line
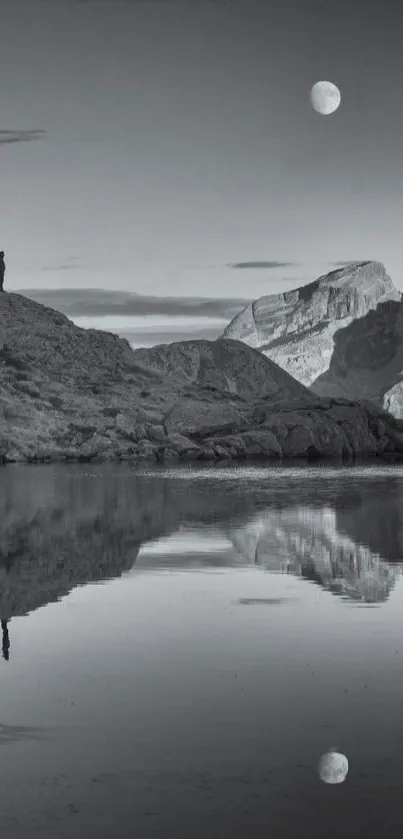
point(327, 429)
point(70, 394)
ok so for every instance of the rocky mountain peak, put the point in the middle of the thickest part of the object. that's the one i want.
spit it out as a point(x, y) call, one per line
point(296, 328)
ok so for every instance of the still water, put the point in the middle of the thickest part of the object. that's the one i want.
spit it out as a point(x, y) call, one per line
point(180, 648)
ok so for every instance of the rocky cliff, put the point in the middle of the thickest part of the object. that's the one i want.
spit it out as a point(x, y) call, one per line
point(68, 393)
point(341, 335)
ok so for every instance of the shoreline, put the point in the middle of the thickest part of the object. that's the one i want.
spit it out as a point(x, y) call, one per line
point(217, 461)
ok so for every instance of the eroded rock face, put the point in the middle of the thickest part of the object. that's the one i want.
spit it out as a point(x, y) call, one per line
point(367, 359)
point(197, 418)
point(342, 335)
point(73, 394)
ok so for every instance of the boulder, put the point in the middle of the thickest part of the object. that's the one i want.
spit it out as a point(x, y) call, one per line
point(156, 433)
point(261, 441)
point(180, 444)
point(203, 419)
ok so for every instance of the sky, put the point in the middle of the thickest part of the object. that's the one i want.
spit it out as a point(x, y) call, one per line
point(169, 147)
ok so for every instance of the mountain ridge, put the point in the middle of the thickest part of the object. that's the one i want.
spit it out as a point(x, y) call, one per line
point(337, 335)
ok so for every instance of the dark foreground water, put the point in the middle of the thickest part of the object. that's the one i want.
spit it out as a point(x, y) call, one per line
point(180, 648)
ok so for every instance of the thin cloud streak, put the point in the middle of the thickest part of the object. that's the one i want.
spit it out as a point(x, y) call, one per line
point(261, 264)
point(8, 137)
point(102, 303)
point(342, 262)
point(64, 267)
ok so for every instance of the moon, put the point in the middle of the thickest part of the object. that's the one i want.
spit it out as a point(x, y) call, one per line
point(325, 97)
point(333, 767)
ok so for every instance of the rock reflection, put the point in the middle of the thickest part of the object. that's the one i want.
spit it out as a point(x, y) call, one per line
point(62, 528)
point(307, 542)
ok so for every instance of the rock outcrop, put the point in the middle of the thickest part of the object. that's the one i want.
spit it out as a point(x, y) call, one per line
point(368, 359)
point(341, 335)
point(68, 393)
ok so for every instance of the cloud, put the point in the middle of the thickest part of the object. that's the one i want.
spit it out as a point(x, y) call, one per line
point(100, 302)
point(266, 601)
point(7, 137)
point(261, 264)
point(67, 266)
point(342, 262)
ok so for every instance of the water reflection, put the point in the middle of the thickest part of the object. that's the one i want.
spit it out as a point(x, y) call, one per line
point(333, 767)
point(194, 695)
point(310, 543)
point(5, 640)
point(62, 528)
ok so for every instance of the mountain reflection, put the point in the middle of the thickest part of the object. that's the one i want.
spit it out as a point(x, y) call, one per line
point(62, 529)
point(309, 543)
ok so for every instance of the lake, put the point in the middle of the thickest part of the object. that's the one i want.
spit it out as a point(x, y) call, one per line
point(181, 646)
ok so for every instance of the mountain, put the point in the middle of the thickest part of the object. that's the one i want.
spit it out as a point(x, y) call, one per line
point(68, 393)
point(341, 336)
